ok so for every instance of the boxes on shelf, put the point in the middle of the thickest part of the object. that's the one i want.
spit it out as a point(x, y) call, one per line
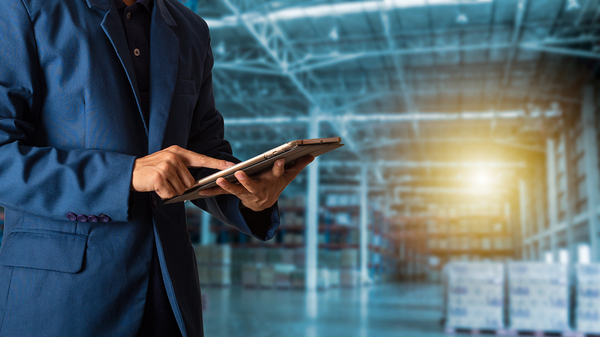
point(299, 279)
point(349, 258)
point(475, 298)
point(283, 275)
point(220, 254)
point(588, 298)
point(300, 257)
point(250, 275)
point(323, 278)
point(349, 277)
point(266, 277)
point(203, 274)
point(219, 275)
point(202, 254)
point(539, 296)
point(334, 277)
point(287, 256)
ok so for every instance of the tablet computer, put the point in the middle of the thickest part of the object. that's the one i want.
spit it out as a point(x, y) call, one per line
point(289, 151)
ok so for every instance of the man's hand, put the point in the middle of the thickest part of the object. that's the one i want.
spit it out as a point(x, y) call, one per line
point(261, 192)
point(166, 173)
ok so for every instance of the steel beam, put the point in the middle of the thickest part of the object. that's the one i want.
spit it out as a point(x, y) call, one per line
point(562, 51)
point(391, 117)
point(426, 164)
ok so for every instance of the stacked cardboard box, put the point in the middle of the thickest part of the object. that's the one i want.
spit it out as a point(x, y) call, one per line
point(475, 295)
point(539, 296)
point(588, 298)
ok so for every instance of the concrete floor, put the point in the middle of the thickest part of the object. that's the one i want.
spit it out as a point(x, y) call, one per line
point(375, 311)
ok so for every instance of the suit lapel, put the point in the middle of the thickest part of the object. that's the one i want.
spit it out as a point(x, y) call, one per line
point(164, 51)
point(111, 24)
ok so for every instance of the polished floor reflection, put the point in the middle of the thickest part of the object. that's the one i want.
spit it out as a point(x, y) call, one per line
point(375, 311)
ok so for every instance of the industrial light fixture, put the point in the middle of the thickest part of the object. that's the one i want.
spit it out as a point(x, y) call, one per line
point(462, 18)
point(572, 5)
point(334, 34)
point(220, 49)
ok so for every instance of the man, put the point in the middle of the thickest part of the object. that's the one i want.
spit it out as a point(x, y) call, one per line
point(104, 107)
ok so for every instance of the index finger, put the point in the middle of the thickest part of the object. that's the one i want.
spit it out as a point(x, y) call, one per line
point(193, 159)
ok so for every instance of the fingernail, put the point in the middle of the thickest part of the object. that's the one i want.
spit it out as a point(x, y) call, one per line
point(240, 175)
point(280, 163)
point(230, 164)
point(220, 181)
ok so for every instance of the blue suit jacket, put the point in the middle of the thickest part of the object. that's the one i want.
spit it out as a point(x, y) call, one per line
point(70, 130)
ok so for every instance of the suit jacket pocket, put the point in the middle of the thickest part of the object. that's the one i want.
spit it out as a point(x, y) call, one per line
point(43, 249)
point(185, 87)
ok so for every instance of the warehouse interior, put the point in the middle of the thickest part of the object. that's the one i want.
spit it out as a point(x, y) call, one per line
point(469, 176)
point(471, 132)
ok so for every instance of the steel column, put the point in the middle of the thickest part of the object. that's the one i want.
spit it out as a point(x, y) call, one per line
point(312, 214)
point(590, 146)
point(205, 229)
point(364, 223)
point(552, 202)
point(523, 213)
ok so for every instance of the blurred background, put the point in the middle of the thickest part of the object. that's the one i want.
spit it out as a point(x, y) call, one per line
point(466, 198)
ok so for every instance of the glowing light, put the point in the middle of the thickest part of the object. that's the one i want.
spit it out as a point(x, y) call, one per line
point(482, 179)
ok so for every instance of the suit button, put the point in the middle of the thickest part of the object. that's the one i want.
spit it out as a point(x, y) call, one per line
point(82, 218)
point(104, 218)
point(92, 218)
point(71, 216)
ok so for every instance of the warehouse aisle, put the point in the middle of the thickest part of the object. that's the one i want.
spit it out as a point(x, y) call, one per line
point(375, 311)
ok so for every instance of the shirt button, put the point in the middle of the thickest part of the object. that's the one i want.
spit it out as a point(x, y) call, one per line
point(129, 15)
point(136, 52)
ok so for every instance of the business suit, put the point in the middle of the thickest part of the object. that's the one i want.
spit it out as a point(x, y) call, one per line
point(78, 243)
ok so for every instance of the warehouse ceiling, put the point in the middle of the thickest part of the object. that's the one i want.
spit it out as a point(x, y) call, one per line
point(416, 88)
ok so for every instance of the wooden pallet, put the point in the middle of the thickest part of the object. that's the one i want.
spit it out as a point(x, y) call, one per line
point(471, 331)
point(540, 333)
point(585, 334)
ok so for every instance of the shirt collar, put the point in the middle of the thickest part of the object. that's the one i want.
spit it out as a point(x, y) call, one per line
point(148, 4)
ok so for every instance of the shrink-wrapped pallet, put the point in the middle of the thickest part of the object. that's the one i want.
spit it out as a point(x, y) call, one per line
point(588, 298)
point(475, 295)
point(538, 296)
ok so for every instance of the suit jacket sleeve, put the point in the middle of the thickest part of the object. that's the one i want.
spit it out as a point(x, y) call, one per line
point(47, 181)
point(206, 137)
